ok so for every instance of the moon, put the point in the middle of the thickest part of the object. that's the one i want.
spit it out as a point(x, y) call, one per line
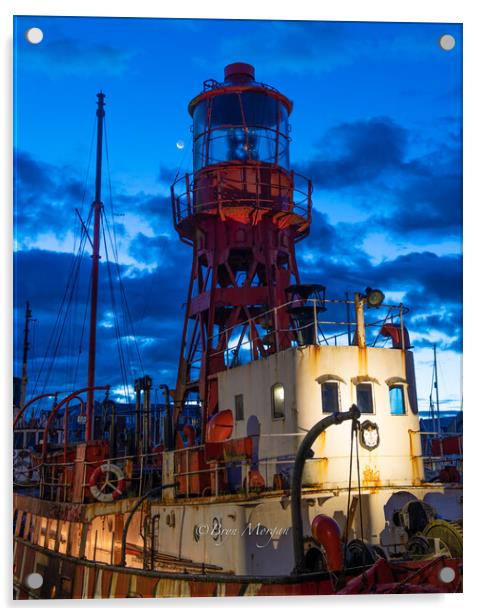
point(180, 144)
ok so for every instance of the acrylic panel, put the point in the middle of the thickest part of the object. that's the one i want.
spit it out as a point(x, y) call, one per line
point(237, 308)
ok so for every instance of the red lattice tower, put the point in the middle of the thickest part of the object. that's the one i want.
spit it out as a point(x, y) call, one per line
point(242, 213)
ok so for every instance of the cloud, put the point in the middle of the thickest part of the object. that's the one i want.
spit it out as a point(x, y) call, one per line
point(430, 284)
point(357, 152)
point(68, 56)
point(296, 47)
point(429, 202)
point(155, 302)
point(407, 188)
point(42, 192)
point(46, 197)
point(413, 195)
point(317, 47)
point(159, 250)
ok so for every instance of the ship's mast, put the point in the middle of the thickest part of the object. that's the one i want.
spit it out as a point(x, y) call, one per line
point(437, 401)
point(97, 206)
point(26, 348)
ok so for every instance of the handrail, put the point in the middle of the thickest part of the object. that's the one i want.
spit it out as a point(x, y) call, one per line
point(58, 406)
point(66, 422)
point(131, 515)
point(25, 406)
point(186, 206)
point(321, 338)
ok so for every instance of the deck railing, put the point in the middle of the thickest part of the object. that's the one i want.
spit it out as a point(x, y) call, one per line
point(436, 451)
point(326, 327)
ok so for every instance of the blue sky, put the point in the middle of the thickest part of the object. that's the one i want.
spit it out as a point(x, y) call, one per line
point(376, 124)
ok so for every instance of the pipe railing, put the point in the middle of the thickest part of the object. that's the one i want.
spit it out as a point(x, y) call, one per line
point(269, 195)
point(437, 462)
point(317, 324)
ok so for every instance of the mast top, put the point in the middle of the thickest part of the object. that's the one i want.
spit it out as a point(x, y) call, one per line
point(100, 103)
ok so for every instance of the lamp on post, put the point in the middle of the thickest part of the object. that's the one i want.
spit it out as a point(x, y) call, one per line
point(373, 298)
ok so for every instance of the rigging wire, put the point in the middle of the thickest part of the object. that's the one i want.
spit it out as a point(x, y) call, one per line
point(86, 180)
point(72, 285)
point(118, 335)
point(129, 322)
point(57, 331)
point(73, 277)
point(65, 327)
point(82, 332)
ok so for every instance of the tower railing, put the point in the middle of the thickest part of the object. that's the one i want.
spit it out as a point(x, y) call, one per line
point(258, 186)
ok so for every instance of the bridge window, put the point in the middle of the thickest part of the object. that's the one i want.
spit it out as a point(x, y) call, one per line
point(330, 397)
point(278, 401)
point(239, 407)
point(364, 397)
point(397, 400)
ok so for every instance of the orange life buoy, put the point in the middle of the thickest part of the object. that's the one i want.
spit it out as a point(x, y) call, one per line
point(100, 493)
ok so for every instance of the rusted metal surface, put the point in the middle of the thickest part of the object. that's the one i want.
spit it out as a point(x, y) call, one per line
point(70, 578)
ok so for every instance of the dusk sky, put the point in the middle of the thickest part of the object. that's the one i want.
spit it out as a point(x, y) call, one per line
point(376, 124)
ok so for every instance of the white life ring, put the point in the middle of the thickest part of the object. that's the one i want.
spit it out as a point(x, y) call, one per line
point(101, 484)
point(22, 466)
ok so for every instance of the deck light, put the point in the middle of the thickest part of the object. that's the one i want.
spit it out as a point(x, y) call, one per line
point(374, 297)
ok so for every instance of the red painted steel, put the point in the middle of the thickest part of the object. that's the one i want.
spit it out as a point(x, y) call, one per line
point(389, 330)
point(97, 206)
point(382, 577)
point(327, 534)
point(58, 406)
point(20, 413)
point(242, 211)
point(220, 427)
point(449, 445)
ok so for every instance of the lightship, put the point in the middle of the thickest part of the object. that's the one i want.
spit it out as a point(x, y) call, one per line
point(289, 459)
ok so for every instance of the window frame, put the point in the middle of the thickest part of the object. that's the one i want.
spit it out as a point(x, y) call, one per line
point(236, 398)
point(370, 384)
point(274, 416)
point(338, 396)
point(403, 388)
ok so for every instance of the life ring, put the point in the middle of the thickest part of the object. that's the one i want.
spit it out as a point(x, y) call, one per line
point(104, 488)
point(22, 466)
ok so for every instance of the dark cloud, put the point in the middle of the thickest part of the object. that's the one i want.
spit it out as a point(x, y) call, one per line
point(423, 197)
point(430, 200)
point(155, 302)
point(297, 47)
point(432, 285)
point(155, 209)
point(45, 197)
point(418, 196)
point(69, 56)
point(356, 153)
point(160, 250)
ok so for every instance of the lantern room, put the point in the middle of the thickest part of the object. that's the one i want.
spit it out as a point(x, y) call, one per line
point(240, 120)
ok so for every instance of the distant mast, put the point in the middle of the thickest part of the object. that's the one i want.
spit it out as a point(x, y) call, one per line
point(437, 401)
point(97, 206)
point(26, 348)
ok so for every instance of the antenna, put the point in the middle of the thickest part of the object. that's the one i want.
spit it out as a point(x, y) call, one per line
point(26, 348)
